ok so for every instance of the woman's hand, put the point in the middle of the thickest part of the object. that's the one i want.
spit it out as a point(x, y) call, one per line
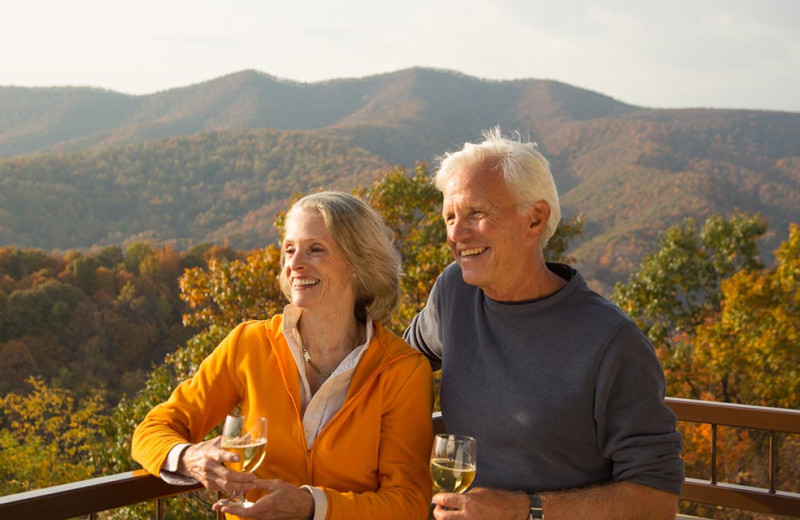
point(204, 461)
point(282, 502)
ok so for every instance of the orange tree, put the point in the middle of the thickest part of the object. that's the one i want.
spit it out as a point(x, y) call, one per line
point(749, 350)
point(748, 353)
point(726, 329)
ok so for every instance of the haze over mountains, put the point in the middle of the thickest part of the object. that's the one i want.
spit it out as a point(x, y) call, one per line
point(215, 161)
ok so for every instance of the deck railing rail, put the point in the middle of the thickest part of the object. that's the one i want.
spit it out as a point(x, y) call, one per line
point(88, 497)
point(749, 498)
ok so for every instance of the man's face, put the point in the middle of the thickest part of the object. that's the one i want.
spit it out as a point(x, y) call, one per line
point(490, 239)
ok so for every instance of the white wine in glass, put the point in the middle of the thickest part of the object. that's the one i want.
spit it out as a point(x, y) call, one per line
point(246, 436)
point(453, 462)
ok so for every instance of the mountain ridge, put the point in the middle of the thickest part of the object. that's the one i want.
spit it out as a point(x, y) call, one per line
point(631, 171)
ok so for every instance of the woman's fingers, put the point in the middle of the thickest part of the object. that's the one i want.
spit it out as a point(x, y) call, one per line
point(282, 500)
point(205, 462)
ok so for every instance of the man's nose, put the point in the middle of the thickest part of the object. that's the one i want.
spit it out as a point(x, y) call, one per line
point(458, 229)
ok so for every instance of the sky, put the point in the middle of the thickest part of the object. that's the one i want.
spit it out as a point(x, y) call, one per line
point(742, 54)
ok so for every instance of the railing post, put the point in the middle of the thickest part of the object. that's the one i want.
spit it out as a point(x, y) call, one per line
point(772, 462)
point(714, 453)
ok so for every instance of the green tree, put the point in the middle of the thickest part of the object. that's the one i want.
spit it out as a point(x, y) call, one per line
point(677, 286)
point(83, 269)
point(135, 255)
point(45, 307)
point(110, 257)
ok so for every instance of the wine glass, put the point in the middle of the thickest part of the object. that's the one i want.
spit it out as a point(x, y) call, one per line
point(453, 462)
point(246, 436)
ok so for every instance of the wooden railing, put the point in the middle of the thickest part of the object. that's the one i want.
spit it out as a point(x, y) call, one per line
point(749, 498)
point(91, 496)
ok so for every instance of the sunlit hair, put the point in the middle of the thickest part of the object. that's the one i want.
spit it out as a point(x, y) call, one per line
point(366, 244)
point(526, 171)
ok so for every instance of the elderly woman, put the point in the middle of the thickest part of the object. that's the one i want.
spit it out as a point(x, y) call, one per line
point(347, 402)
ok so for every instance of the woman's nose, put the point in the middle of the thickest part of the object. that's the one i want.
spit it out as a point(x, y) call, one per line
point(296, 262)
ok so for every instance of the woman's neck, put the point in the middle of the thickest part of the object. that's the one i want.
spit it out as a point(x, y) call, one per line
point(329, 334)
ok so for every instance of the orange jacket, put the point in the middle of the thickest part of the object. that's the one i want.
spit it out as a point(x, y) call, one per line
point(372, 457)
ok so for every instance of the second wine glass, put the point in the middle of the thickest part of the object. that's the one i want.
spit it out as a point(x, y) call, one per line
point(453, 462)
point(246, 436)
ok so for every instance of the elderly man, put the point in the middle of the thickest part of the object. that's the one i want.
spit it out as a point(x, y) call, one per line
point(563, 392)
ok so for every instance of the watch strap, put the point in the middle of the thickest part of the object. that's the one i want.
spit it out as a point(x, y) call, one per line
point(535, 507)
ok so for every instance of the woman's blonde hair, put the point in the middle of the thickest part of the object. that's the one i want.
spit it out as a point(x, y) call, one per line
point(366, 244)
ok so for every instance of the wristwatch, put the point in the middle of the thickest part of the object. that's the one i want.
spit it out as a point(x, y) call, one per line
point(536, 507)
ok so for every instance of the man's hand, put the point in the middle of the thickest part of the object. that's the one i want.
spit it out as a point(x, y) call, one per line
point(283, 502)
point(617, 501)
point(204, 461)
point(481, 504)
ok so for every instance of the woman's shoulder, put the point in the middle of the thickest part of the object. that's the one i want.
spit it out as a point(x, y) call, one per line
point(258, 328)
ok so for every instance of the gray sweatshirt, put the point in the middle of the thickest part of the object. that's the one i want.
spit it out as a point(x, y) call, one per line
point(562, 392)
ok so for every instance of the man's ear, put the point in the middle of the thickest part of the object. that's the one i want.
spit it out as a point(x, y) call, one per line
point(538, 215)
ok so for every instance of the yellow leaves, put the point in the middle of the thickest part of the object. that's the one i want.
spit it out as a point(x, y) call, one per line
point(48, 438)
point(230, 291)
point(752, 344)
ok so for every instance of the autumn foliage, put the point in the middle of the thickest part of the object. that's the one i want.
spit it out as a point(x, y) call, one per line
point(108, 334)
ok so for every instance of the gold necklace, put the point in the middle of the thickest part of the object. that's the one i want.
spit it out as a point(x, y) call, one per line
point(319, 370)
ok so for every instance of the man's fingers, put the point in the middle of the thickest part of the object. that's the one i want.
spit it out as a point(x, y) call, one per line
point(451, 500)
point(447, 502)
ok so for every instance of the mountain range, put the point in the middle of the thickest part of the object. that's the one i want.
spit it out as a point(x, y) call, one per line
point(215, 161)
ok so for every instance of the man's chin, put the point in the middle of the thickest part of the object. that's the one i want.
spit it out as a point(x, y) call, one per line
point(470, 276)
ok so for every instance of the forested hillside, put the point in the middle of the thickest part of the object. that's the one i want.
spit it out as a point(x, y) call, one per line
point(212, 187)
point(214, 161)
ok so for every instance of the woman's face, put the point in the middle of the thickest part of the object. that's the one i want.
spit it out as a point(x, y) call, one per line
point(318, 274)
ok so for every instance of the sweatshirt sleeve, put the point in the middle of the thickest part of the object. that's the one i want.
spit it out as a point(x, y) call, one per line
point(195, 407)
point(423, 334)
point(636, 430)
